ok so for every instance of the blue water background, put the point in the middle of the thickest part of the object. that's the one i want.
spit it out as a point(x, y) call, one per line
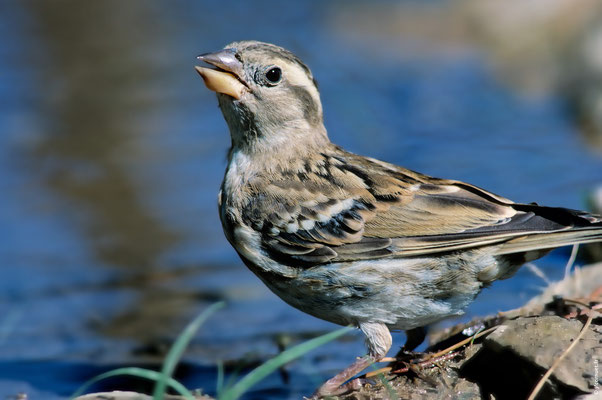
point(112, 152)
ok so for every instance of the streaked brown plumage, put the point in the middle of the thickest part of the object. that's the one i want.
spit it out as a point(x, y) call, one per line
point(350, 239)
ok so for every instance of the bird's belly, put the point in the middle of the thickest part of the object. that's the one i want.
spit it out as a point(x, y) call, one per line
point(401, 293)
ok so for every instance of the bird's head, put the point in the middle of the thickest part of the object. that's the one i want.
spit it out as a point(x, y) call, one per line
point(268, 96)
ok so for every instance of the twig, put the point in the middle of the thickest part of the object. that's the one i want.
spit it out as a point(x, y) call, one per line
point(461, 343)
point(428, 362)
point(538, 272)
point(569, 264)
point(378, 371)
point(421, 364)
point(440, 355)
point(576, 301)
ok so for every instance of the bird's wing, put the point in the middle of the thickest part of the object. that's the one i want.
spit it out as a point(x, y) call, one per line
point(344, 207)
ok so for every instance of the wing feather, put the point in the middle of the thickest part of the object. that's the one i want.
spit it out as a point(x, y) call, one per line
point(373, 209)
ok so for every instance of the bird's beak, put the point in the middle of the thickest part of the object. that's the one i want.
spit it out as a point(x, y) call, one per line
point(228, 77)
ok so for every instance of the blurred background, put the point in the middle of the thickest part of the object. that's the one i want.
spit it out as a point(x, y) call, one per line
point(112, 152)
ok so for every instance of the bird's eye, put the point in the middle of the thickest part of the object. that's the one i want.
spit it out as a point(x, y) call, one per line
point(273, 75)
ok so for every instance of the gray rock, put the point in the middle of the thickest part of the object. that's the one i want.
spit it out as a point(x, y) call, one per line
point(539, 341)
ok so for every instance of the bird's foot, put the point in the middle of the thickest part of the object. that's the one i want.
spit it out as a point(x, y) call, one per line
point(351, 386)
point(336, 385)
point(408, 356)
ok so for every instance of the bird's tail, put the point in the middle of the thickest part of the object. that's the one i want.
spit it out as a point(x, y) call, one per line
point(550, 240)
point(579, 228)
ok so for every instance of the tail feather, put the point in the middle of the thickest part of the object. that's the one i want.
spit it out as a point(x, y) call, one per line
point(579, 227)
point(550, 240)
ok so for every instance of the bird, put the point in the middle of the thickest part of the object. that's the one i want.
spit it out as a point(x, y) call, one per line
point(351, 239)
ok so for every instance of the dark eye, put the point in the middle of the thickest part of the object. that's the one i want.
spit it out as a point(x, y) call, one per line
point(273, 75)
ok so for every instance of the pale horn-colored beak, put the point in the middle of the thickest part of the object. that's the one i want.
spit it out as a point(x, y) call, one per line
point(227, 79)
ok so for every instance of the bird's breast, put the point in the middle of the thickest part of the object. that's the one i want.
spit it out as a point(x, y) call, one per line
point(236, 192)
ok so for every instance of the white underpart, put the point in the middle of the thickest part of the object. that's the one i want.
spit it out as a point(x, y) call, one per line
point(402, 303)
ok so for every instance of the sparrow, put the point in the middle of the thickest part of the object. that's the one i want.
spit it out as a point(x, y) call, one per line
point(350, 239)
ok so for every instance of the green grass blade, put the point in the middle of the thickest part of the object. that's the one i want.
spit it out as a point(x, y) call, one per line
point(231, 379)
point(138, 372)
point(176, 351)
point(273, 364)
point(219, 384)
point(392, 393)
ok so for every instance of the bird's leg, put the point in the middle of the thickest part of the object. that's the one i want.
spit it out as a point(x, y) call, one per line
point(414, 337)
point(378, 340)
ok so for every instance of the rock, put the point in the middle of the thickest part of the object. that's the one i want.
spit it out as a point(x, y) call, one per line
point(539, 341)
point(122, 395)
point(508, 364)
